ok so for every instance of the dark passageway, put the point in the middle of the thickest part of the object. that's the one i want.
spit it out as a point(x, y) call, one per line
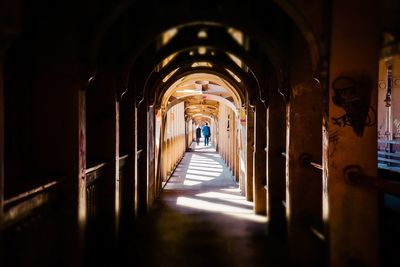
point(201, 219)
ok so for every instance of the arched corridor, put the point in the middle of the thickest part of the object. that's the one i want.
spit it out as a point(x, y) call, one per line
point(106, 109)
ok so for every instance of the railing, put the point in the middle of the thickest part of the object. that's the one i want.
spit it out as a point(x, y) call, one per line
point(355, 177)
point(139, 152)
point(388, 174)
point(93, 173)
point(92, 176)
point(387, 154)
point(22, 205)
point(123, 160)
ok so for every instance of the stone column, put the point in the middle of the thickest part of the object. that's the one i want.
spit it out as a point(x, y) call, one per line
point(103, 143)
point(249, 147)
point(2, 102)
point(103, 147)
point(141, 171)
point(242, 151)
point(160, 122)
point(259, 170)
point(117, 164)
point(276, 139)
point(82, 159)
point(151, 183)
point(350, 133)
point(127, 179)
point(303, 138)
point(10, 27)
point(304, 184)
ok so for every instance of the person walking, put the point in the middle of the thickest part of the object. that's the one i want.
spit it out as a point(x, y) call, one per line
point(206, 133)
point(198, 135)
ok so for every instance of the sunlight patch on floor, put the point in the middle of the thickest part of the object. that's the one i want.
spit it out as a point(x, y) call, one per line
point(201, 161)
point(198, 177)
point(227, 197)
point(230, 210)
point(232, 189)
point(191, 182)
point(216, 168)
point(205, 165)
point(205, 173)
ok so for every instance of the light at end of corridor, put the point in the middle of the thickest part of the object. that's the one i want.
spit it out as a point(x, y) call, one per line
point(202, 34)
point(202, 50)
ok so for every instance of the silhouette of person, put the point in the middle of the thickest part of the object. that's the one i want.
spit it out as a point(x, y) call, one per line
point(198, 135)
point(206, 133)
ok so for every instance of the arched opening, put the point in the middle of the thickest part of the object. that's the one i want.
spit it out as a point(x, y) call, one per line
point(204, 96)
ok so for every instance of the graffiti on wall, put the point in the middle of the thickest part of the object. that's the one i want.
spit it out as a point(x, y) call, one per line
point(354, 98)
point(334, 141)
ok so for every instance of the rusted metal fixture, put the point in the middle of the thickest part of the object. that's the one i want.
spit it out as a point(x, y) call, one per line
point(317, 233)
point(306, 161)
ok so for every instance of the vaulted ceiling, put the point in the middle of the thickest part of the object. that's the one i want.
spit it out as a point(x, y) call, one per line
point(200, 90)
point(202, 94)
